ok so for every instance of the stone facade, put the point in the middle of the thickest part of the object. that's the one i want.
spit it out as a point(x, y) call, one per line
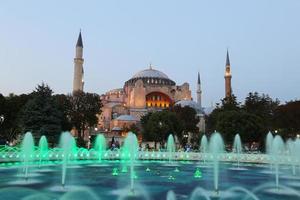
point(148, 90)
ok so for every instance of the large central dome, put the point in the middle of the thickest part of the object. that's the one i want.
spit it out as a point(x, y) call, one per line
point(151, 77)
point(150, 73)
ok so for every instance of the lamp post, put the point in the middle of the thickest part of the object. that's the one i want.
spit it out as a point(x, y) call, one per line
point(1, 119)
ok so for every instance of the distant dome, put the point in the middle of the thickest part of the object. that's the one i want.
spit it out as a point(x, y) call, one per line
point(191, 104)
point(118, 90)
point(151, 73)
point(151, 76)
point(126, 118)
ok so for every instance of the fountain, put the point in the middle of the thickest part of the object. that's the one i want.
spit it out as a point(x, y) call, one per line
point(269, 142)
point(43, 149)
point(295, 154)
point(152, 169)
point(27, 152)
point(100, 146)
point(237, 147)
point(277, 151)
point(198, 173)
point(203, 144)
point(171, 195)
point(68, 146)
point(293, 147)
point(216, 147)
point(131, 146)
point(204, 147)
point(171, 147)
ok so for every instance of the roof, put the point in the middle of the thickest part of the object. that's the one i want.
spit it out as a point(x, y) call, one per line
point(79, 41)
point(152, 73)
point(115, 90)
point(126, 118)
point(208, 110)
point(227, 59)
point(116, 128)
point(191, 104)
point(112, 104)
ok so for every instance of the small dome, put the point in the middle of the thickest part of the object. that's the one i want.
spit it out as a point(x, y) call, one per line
point(150, 73)
point(126, 118)
point(191, 104)
point(118, 90)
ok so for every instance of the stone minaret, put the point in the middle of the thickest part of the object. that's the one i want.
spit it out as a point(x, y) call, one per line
point(78, 66)
point(199, 91)
point(228, 90)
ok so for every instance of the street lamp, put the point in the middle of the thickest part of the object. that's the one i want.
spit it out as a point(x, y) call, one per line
point(1, 119)
point(160, 124)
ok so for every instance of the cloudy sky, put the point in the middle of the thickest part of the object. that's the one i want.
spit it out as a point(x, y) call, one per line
point(180, 38)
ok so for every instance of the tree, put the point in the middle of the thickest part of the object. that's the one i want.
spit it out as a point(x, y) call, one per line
point(132, 128)
point(158, 125)
point(83, 111)
point(12, 109)
point(262, 106)
point(188, 119)
point(41, 115)
point(228, 104)
point(64, 105)
point(246, 124)
point(287, 119)
point(251, 120)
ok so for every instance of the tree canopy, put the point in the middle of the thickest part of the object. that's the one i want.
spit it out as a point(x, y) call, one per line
point(251, 120)
point(83, 110)
point(158, 125)
point(41, 115)
point(177, 121)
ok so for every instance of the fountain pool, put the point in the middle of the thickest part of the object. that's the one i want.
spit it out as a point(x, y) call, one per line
point(95, 181)
point(68, 172)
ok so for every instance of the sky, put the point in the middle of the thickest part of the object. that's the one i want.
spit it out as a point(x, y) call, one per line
point(179, 38)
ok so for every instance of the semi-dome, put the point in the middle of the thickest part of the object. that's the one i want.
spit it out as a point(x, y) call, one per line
point(151, 77)
point(191, 104)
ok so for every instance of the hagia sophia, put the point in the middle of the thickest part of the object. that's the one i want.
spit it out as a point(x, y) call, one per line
point(148, 90)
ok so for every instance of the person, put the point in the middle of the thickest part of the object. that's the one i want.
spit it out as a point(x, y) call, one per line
point(117, 144)
point(112, 144)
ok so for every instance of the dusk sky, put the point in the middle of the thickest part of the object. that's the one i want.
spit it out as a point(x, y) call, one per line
point(179, 38)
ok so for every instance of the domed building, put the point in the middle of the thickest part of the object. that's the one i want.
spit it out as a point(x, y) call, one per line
point(147, 90)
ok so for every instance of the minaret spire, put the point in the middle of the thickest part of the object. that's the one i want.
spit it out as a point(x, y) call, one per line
point(228, 89)
point(78, 66)
point(227, 59)
point(150, 66)
point(199, 91)
point(79, 40)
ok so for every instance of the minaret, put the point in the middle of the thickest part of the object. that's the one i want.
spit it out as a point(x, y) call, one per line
point(228, 90)
point(199, 91)
point(78, 66)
